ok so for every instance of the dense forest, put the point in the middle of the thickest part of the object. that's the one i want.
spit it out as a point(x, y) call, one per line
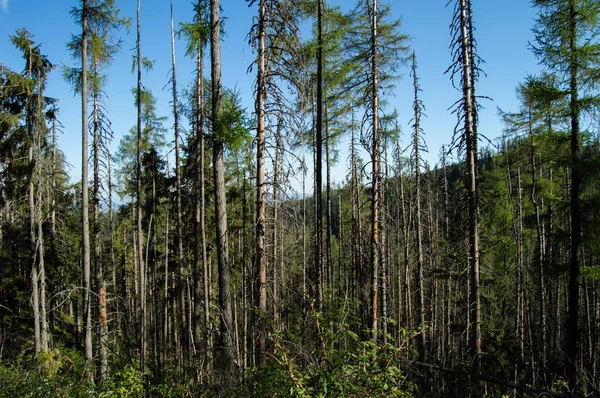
point(216, 257)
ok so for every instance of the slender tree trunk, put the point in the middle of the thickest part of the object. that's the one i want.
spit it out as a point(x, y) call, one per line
point(520, 271)
point(328, 204)
point(539, 255)
point(85, 224)
point(319, 161)
point(220, 200)
point(199, 235)
point(166, 292)
point(35, 298)
point(303, 221)
point(155, 287)
point(180, 264)
point(400, 294)
point(383, 253)
point(138, 200)
point(473, 199)
point(42, 281)
point(355, 198)
point(98, 269)
point(572, 326)
point(261, 261)
point(375, 157)
point(418, 226)
point(342, 272)
point(406, 245)
point(245, 276)
point(275, 222)
point(113, 262)
point(53, 251)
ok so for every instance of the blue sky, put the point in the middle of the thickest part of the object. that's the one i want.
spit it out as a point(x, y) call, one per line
point(503, 30)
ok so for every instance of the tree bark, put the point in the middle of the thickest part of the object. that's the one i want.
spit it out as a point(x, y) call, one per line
point(261, 264)
point(275, 223)
point(471, 183)
point(539, 255)
point(85, 223)
point(572, 326)
point(220, 200)
point(138, 204)
point(182, 269)
point(375, 158)
point(319, 162)
point(418, 226)
point(200, 233)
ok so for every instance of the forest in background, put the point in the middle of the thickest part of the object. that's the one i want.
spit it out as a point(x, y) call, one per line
point(189, 262)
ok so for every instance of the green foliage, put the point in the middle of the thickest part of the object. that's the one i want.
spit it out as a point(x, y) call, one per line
point(124, 383)
point(359, 369)
point(64, 376)
point(233, 125)
point(197, 33)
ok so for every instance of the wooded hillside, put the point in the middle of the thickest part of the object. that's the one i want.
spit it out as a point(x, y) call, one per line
point(215, 257)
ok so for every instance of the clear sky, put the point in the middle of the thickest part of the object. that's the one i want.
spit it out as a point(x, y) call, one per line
point(503, 30)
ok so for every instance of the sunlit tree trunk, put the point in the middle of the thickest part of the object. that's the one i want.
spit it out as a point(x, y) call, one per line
point(375, 176)
point(470, 134)
point(220, 200)
point(418, 225)
point(138, 202)
point(85, 223)
point(275, 224)
point(182, 269)
point(319, 162)
point(261, 261)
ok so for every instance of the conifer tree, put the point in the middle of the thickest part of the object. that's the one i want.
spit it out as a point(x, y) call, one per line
point(219, 138)
point(79, 80)
point(465, 69)
point(37, 68)
point(566, 33)
point(197, 33)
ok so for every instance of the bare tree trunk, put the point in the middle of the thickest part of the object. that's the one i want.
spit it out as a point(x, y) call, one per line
point(35, 298)
point(572, 325)
point(539, 255)
point(328, 260)
point(400, 294)
point(220, 200)
point(473, 199)
point(375, 157)
point(418, 226)
point(200, 234)
point(275, 222)
point(342, 271)
point(406, 246)
point(303, 221)
point(520, 273)
point(165, 341)
point(319, 161)
point(155, 288)
point(98, 269)
point(383, 254)
point(42, 282)
point(85, 223)
point(261, 264)
point(355, 198)
point(245, 275)
point(181, 266)
point(113, 263)
point(138, 204)
point(53, 251)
